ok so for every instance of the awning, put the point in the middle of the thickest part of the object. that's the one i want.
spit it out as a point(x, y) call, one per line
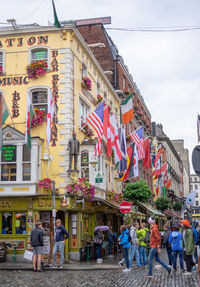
point(152, 210)
point(173, 213)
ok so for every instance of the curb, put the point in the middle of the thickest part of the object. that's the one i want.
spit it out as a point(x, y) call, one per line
point(64, 269)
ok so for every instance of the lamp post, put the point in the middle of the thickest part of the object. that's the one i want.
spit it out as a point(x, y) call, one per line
point(54, 210)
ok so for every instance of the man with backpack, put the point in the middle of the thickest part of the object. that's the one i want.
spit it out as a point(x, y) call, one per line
point(143, 240)
point(134, 245)
point(155, 244)
point(124, 241)
point(167, 244)
point(175, 239)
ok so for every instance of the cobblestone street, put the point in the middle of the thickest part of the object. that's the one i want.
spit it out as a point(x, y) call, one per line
point(95, 279)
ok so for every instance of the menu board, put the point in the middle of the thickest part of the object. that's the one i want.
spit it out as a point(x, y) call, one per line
point(9, 153)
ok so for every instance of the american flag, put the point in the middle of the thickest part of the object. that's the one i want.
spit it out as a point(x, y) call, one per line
point(95, 119)
point(137, 137)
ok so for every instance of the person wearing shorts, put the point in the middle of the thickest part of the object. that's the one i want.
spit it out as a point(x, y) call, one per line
point(37, 243)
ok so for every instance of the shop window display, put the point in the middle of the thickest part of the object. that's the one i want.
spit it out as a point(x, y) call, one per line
point(6, 223)
point(20, 223)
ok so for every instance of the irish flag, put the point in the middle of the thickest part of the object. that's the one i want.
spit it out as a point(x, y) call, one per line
point(127, 110)
point(29, 115)
point(4, 113)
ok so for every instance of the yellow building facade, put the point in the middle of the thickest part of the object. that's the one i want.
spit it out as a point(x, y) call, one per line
point(22, 202)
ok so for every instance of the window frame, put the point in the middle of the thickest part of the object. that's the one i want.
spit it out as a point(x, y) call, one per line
point(40, 47)
point(39, 88)
point(14, 234)
point(3, 63)
point(86, 104)
point(84, 70)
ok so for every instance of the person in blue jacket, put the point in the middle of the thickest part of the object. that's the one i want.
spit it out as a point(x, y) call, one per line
point(124, 242)
point(195, 242)
point(175, 239)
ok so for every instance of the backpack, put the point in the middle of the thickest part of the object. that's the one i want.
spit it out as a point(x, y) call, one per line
point(147, 237)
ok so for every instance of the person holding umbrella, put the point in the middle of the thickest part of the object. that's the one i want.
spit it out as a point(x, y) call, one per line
point(98, 241)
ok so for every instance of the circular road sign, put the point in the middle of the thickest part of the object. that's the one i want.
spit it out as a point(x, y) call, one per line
point(125, 207)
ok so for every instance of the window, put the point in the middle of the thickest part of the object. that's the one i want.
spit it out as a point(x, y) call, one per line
point(84, 109)
point(1, 63)
point(105, 97)
point(8, 163)
point(85, 165)
point(197, 203)
point(98, 89)
point(124, 83)
point(20, 223)
point(195, 179)
point(26, 163)
point(197, 211)
point(40, 99)
point(196, 195)
point(84, 71)
point(39, 54)
point(196, 186)
point(6, 223)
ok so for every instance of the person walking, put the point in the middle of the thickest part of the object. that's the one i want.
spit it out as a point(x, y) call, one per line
point(188, 246)
point(110, 235)
point(195, 234)
point(124, 242)
point(143, 240)
point(166, 243)
point(98, 241)
point(61, 236)
point(155, 245)
point(175, 239)
point(37, 243)
point(134, 245)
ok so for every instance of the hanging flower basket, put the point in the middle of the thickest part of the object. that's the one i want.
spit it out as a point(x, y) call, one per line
point(86, 83)
point(46, 183)
point(99, 99)
point(36, 69)
point(38, 118)
point(88, 131)
point(114, 196)
point(81, 187)
point(1, 70)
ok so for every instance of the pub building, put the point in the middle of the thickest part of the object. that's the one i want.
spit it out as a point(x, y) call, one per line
point(36, 62)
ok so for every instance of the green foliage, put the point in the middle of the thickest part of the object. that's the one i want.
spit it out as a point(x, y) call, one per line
point(177, 206)
point(137, 191)
point(162, 203)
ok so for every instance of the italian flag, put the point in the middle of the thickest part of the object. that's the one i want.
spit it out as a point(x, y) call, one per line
point(127, 110)
point(4, 112)
point(29, 115)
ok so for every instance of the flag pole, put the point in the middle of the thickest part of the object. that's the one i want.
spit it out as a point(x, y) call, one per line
point(9, 112)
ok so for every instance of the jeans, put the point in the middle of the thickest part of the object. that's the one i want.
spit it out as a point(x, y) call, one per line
point(126, 257)
point(134, 251)
point(175, 255)
point(154, 253)
point(98, 251)
point(196, 255)
point(170, 257)
point(189, 261)
point(143, 255)
point(59, 246)
point(110, 244)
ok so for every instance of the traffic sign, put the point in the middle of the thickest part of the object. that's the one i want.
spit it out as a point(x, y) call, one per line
point(125, 207)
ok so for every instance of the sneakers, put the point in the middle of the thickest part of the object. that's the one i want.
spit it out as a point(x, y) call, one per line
point(99, 261)
point(60, 266)
point(194, 268)
point(126, 270)
point(120, 264)
point(40, 270)
point(187, 274)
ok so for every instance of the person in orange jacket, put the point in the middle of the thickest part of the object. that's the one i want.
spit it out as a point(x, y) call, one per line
point(155, 244)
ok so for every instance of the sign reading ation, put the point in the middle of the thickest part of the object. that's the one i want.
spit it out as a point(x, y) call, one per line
point(9, 154)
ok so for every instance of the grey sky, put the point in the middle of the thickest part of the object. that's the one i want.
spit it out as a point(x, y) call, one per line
point(165, 66)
